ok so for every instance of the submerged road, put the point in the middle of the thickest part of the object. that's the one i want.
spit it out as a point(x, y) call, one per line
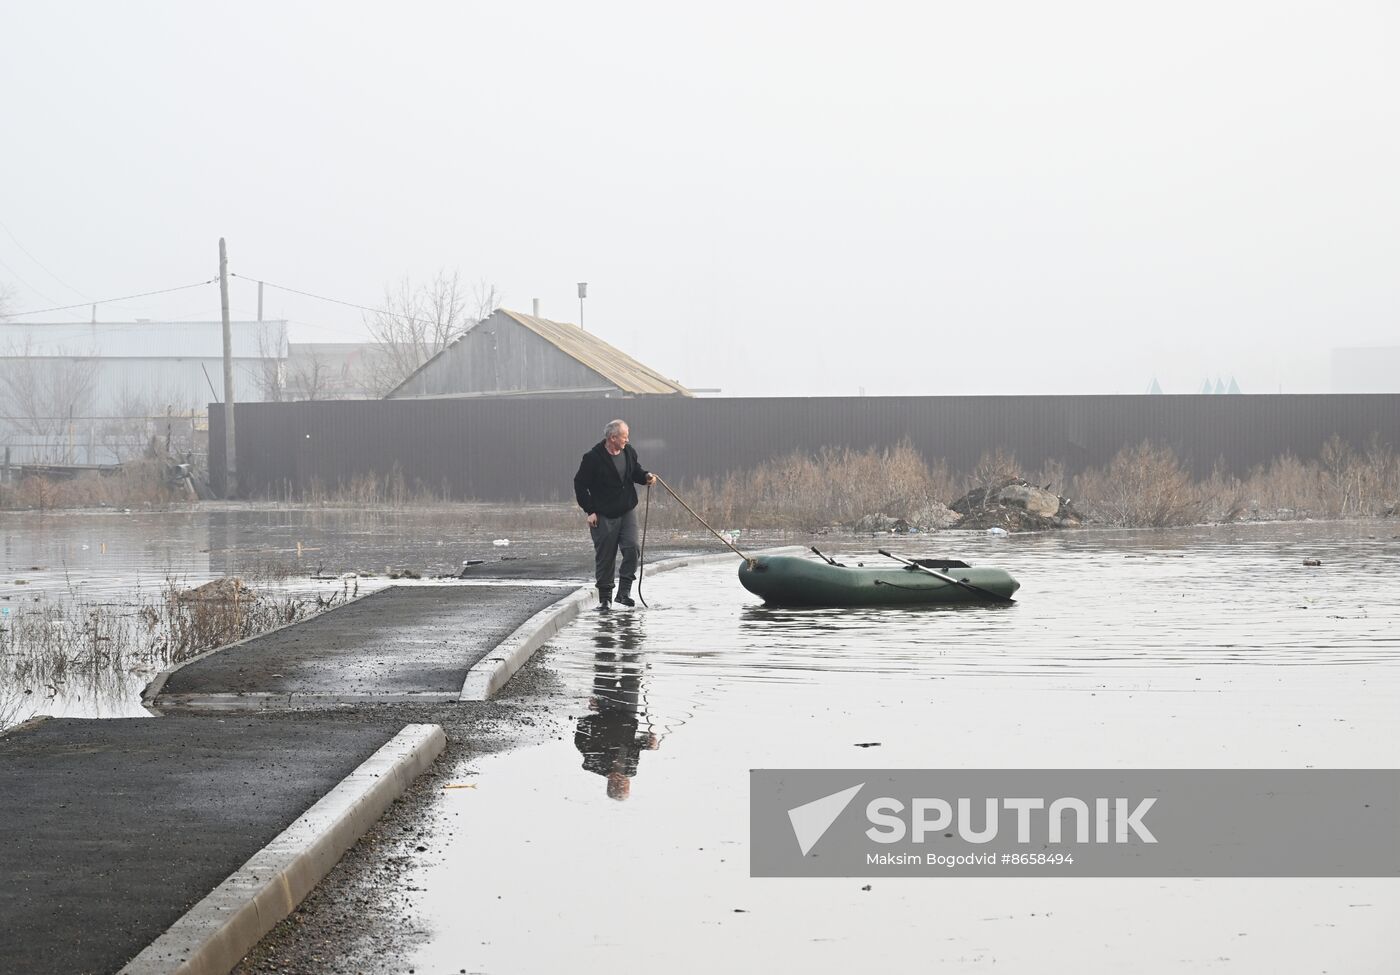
point(115, 828)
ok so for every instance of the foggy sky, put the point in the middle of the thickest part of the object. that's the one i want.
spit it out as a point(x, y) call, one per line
point(773, 199)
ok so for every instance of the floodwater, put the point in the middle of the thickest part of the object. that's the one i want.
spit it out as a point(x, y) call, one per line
point(118, 560)
point(1200, 648)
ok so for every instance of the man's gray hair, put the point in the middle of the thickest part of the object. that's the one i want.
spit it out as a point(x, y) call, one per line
point(613, 427)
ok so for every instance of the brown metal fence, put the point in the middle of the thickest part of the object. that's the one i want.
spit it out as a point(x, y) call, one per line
point(527, 449)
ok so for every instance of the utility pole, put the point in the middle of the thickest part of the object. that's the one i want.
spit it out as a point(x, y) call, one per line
point(260, 302)
point(230, 456)
point(582, 294)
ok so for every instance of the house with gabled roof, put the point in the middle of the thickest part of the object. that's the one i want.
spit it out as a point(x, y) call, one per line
point(510, 353)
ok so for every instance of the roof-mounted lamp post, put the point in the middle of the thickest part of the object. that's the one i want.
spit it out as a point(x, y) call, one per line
point(582, 294)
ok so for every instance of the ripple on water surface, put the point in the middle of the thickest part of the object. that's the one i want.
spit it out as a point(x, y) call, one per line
point(1090, 603)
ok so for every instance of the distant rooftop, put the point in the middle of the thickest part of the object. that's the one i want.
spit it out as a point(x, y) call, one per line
point(614, 365)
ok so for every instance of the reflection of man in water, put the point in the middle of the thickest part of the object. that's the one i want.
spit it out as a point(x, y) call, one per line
point(610, 737)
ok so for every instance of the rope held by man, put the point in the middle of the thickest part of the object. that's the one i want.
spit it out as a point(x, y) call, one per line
point(642, 553)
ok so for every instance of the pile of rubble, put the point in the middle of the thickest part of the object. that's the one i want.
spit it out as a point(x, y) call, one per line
point(1012, 504)
point(1015, 505)
point(926, 518)
point(229, 589)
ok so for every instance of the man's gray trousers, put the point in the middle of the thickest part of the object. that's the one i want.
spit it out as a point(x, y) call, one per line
point(609, 535)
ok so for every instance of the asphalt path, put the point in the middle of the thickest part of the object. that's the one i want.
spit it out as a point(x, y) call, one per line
point(399, 641)
point(114, 828)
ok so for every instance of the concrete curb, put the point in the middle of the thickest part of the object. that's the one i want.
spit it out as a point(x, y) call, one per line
point(215, 934)
point(489, 674)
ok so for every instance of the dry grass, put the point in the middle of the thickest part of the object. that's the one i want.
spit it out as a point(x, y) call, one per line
point(137, 484)
point(98, 644)
point(1147, 486)
point(809, 491)
point(1143, 486)
point(391, 490)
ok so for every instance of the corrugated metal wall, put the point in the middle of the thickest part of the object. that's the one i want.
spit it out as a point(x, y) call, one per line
point(528, 449)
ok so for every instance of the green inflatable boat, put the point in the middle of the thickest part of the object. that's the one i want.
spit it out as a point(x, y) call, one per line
point(786, 580)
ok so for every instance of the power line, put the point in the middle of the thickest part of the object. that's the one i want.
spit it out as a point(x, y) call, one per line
point(24, 282)
point(107, 301)
point(337, 301)
point(12, 236)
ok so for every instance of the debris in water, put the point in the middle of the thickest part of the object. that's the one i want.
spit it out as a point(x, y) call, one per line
point(997, 532)
point(223, 590)
point(460, 785)
point(501, 542)
point(1312, 562)
point(867, 744)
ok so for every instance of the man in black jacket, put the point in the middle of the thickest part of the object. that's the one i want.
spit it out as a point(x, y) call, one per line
point(605, 488)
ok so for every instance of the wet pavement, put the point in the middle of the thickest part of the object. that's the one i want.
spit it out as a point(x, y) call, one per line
point(410, 641)
point(113, 829)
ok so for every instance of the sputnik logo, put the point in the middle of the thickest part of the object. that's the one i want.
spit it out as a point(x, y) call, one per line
point(811, 820)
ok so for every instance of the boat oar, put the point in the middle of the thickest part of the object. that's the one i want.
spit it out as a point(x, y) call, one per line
point(828, 561)
point(947, 578)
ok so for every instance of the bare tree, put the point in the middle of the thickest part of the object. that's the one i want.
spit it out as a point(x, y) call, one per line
point(271, 376)
point(162, 411)
point(40, 396)
point(310, 376)
point(417, 323)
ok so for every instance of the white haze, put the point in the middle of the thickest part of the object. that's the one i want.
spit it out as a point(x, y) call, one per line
point(808, 199)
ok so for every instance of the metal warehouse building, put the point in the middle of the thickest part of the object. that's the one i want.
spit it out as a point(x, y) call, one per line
point(93, 393)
